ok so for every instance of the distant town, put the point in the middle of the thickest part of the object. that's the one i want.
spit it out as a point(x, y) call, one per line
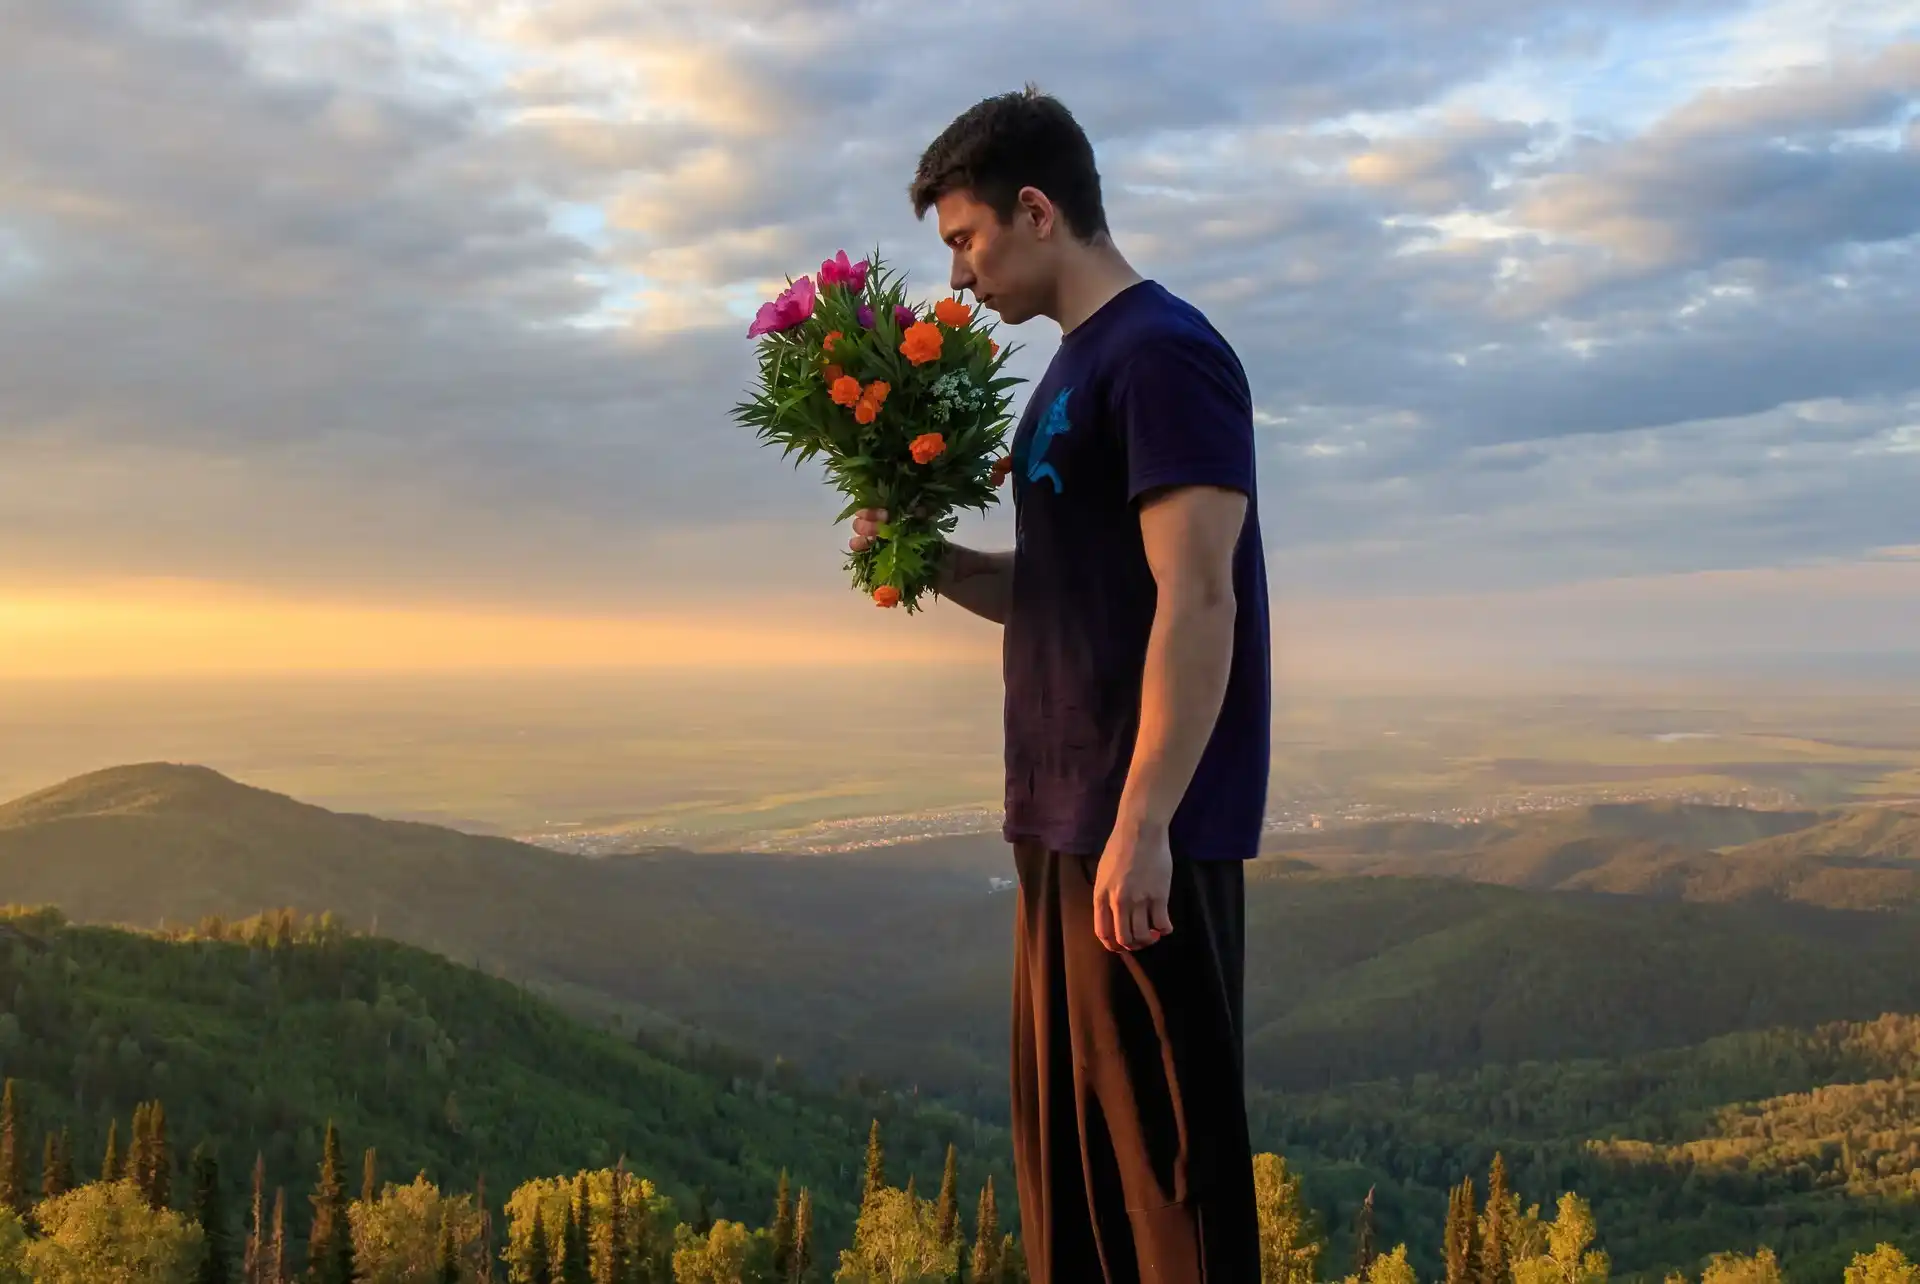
point(1286, 815)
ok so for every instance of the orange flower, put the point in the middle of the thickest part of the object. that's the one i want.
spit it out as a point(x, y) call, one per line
point(922, 343)
point(1001, 467)
point(952, 312)
point(826, 344)
point(845, 390)
point(886, 595)
point(832, 374)
point(993, 349)
point(927, 447)
point(871, 400)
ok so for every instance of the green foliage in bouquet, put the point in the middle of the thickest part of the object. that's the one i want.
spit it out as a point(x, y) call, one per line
point(907, 408)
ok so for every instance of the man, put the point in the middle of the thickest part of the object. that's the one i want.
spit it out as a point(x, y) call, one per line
point(1137, 717)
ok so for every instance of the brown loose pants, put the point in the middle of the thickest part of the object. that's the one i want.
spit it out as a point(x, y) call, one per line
point(1129, 1108)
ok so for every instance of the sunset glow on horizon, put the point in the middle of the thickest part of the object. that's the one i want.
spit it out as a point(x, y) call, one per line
point(182, 628)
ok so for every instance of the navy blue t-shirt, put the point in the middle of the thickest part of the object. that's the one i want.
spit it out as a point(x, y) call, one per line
point(1143, 394)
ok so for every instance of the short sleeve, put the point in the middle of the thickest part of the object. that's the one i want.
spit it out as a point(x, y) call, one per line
point(1185, 416)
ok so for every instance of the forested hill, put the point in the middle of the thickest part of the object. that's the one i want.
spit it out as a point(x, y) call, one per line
point(1861, 858)
point(255, 1035)
point(1807, 1142)
point(893, 963)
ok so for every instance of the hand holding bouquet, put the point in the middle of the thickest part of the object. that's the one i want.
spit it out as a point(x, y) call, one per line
point(907, 408)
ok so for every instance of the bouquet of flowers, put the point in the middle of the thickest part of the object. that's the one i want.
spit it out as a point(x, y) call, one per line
point(906, 406)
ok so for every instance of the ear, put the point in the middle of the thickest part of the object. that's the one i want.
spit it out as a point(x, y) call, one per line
point(1038, 210)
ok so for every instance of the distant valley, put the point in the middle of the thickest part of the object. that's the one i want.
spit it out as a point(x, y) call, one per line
point(1677, 1009)
point(892, 962)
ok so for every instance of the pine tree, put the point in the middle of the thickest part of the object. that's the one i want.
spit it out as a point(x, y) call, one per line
point(1494, 1266)
point(947, 1214)
point(1461, 1232)
point(216, 1262)
point(619, 1250)
point(486, 1230)
point(876, 1165)
point(276, 1272)
point(137, 1161)
point(67, 1181)
point(369, 1176)
point(159, 1174)
point(253, 1261)
point(1289, 1250)
point(110, 1162)
point(579, 1262)
point(539, 1256)
point(448, 1269)
point(330, 1245)
point(51, 1185)
point(1013, 1260)
point(782, 1228)
point(13, 1173)
point(986, 1238)
point(570, 1234)
point(1363, 1252)
point(802, 1264)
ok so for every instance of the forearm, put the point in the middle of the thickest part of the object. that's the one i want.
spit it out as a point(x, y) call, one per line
point(1189, 657)
point(976, 581)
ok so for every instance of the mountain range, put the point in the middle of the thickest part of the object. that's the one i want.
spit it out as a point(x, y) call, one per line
point(893, 963)
point(1702, 1053)
point(1865, 858)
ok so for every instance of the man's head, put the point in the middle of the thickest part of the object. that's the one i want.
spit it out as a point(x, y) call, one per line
point(1013, 182)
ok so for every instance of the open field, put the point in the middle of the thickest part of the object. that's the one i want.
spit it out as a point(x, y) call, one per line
point(608, 761)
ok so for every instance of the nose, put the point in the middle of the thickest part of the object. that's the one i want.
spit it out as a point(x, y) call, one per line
point(962, 276)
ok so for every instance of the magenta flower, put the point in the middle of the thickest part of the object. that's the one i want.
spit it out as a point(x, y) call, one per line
point(794, 306)
point(839, 270)
point(865, 317)
point(904, 316)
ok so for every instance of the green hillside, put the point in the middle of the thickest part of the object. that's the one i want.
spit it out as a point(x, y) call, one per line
point(762, 949)
point(1401, 1029)
point(1365, 978)
point(893, 964)
point(1807, 1142)
point(257, 1040)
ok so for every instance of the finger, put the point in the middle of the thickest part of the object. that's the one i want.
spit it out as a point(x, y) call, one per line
point(1162, 922)
point(1103, 919)
point(1139, 926)
point(858, 543)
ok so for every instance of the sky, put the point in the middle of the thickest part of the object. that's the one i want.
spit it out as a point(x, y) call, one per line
point(404, 335)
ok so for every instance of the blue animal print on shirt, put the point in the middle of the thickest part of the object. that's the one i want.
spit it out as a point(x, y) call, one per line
point(1052, 424)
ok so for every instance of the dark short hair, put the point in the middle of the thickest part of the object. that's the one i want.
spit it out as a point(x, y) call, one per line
point(1007, 142)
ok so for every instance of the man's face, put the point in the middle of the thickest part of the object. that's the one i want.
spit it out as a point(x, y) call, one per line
point(1006, 265)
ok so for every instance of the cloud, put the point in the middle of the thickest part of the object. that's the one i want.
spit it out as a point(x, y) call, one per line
point(447, 300)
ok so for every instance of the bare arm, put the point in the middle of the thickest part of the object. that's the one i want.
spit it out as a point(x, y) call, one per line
point(978, 582)
point(1189, 535)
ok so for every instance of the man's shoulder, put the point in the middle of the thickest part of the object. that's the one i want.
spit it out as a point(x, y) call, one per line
point(1165, 323)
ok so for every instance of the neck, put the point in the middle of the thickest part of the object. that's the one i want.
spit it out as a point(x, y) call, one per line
point(1091, 275)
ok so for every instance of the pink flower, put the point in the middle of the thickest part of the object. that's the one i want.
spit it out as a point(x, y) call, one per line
point(794, 306)
point(839, 270)
point(904, 316)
